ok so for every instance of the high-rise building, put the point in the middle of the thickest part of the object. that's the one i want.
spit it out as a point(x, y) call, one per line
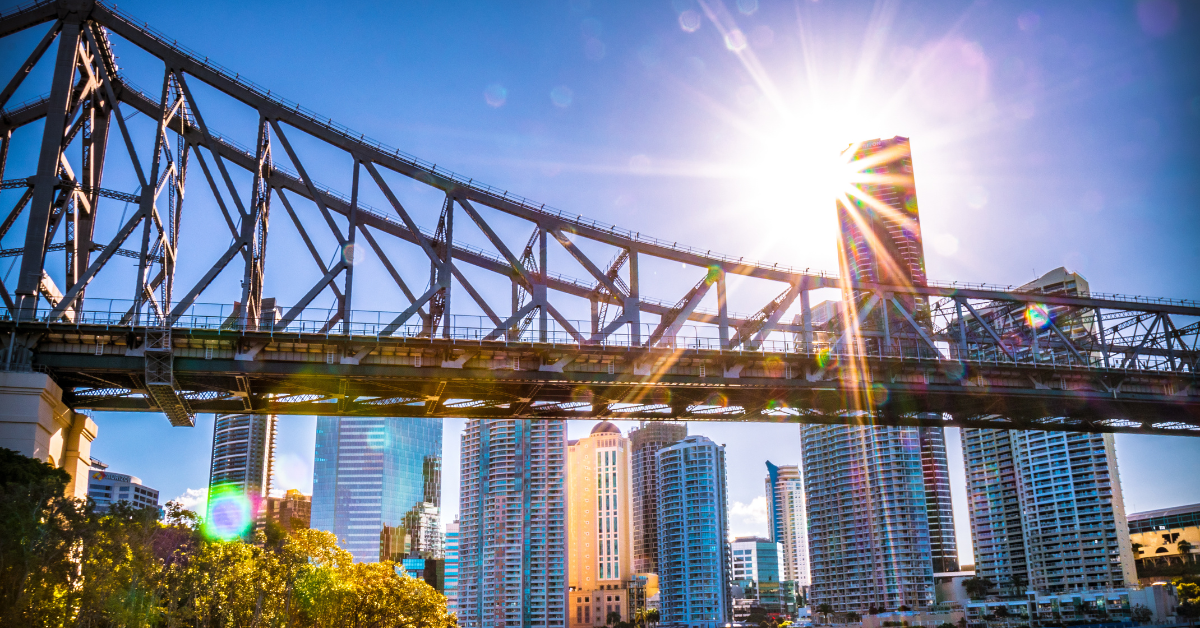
point(377, 485)
point(693, 532)
point(451, 578)
point(598, 530)
point(512, 549)
point(935, 468)
point(292, 512)
point(787, 520)
point(868, 531)
point(106, 488)
point(646, 440)
point(755, 576)
point(243, 453)
point(1047, 512)
point(881, 237)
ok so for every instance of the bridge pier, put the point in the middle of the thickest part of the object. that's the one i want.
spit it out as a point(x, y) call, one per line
point(35, 422)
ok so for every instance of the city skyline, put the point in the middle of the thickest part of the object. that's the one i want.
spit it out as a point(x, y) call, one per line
point(732, 143)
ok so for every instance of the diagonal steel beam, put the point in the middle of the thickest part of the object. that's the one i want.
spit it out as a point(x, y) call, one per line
point(912, 323)
point(858, 321)
point(34, 57)
point(988, 328)
point(590, 266)
point(308, 182)
point(672, 321)
point(499, 244)
point(312, 293)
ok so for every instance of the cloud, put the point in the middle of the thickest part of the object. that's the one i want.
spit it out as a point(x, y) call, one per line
point(748, 519)
point(193, 499)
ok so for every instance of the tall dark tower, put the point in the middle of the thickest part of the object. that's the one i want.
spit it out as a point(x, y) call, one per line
point(881, 237)
point(646, 440)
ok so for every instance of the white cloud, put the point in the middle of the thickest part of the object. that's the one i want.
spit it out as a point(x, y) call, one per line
point(193, 499)
point(748, 519)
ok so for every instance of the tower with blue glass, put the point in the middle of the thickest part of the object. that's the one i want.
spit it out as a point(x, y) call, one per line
point(377, 485)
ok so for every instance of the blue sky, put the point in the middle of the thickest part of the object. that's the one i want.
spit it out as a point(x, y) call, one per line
point(1043, 135)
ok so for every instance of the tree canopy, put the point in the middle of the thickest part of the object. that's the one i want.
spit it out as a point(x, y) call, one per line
point(61, 563)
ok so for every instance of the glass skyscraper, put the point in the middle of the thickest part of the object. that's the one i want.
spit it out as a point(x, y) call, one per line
point(693, 533)
point(377, 485)
point(451, 580)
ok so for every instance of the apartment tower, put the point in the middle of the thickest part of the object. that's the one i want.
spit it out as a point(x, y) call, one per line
point(512, 551)
point(646, 440)
point(243, 453)
point(787, 521)
point(1047, 512)
point(451, 578)
point(599, 531)
point(377, 485)
point(693, 533)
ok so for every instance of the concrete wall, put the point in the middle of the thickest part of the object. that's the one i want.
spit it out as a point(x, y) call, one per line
point(35, 422)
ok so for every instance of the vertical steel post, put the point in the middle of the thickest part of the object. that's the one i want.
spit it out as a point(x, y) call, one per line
point(349, 253)
point(633, 304)
point(543, 314)
point(722, 310)
point(962, 331)
point(448, 269)
point(33, 259)
point(806, 319)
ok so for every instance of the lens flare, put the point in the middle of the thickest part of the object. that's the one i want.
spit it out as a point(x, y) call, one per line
point(1038, 316)
point(230, 514)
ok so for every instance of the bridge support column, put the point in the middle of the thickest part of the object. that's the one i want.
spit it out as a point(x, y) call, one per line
point(35, 422)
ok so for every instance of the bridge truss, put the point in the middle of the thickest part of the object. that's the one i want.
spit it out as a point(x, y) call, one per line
point(936, 354)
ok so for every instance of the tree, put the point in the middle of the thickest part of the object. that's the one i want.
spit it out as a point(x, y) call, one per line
point(946, 624)
point(977, 588)
point(903, 608)
point(1188, 592)
point(1185, 549)
point(853, 617)
point(613, 618)
point(824, 610)
point(962, 622)
point(652, 616)
point(1141, 614)
point(1000, 612)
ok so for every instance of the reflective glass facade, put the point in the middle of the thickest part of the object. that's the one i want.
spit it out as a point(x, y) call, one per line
point(243, 453)
point(646, 440)
point(693, 532)
point(377, 484)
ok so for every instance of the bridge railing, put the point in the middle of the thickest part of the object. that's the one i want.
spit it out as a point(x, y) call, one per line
point(829, 348)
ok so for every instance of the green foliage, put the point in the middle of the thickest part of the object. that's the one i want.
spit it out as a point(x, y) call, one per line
point(946, 624)
point(977, 588)
point(63, 564)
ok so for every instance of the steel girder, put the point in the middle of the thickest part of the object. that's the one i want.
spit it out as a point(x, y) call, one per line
point(1107, 341)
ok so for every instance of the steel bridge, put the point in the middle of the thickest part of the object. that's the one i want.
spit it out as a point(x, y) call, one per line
point(590, 345)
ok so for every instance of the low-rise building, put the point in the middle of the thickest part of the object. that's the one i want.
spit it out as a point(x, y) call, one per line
point(292, 512)
point(1159, 538)
point(106, 488)
point(1113, 605)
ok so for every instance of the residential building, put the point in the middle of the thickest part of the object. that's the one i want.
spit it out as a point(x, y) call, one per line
point(451, 577)
point(787, 521)
point(935, 469)
point(755, 576)
point(377, 485)
point(1106, 606)
point(646, 440)
point(868, 530)
point(243, 453)
point(693, 528)
point(513, 524)
point(1047, 512)
point(106, 488)
point(1159, 537)
point(600, 539)
point(292, 512)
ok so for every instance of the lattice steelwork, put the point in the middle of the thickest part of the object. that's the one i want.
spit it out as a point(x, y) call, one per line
point(978, 355)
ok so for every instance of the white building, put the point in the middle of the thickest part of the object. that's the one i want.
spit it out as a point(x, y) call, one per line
point(107, 488)
point(450, 588)
point(1046, 508)
point(788, 521)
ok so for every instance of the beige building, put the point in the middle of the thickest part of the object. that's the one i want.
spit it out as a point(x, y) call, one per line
point(599, 527)
point(1160, 538)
